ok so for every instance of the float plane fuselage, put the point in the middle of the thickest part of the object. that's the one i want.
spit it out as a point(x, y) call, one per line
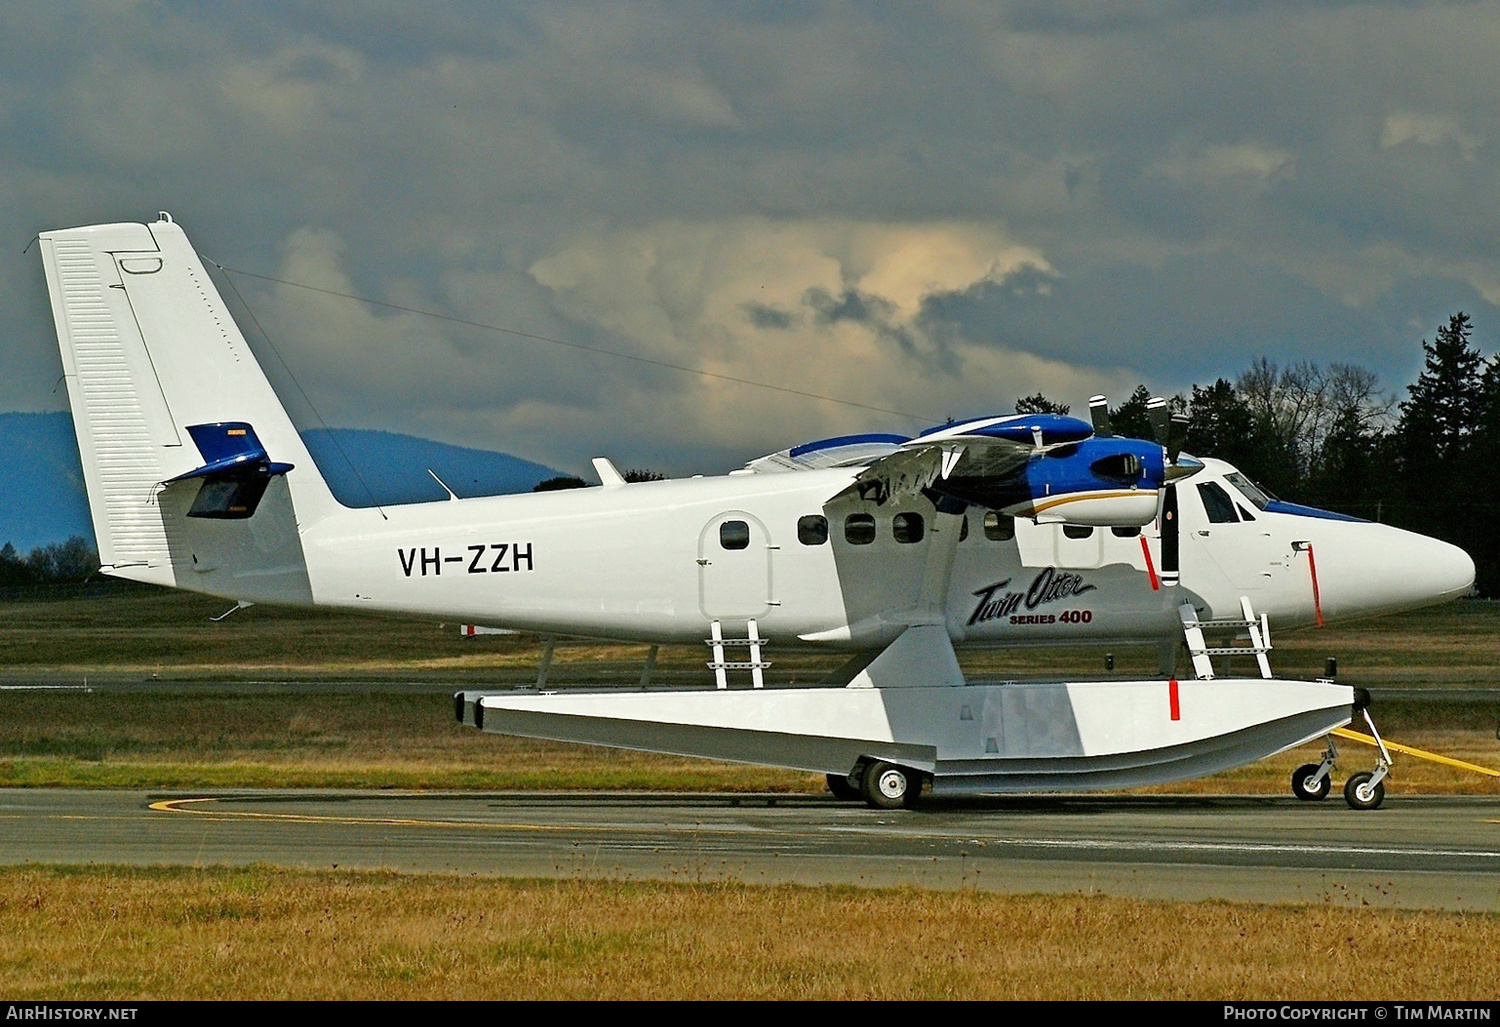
point(1018, 530)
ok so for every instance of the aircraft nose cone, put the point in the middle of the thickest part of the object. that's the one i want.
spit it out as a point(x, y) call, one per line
point(1387, 570)
point(1442, 570)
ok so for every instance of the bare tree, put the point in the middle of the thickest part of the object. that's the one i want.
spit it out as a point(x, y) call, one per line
point(1298, 409)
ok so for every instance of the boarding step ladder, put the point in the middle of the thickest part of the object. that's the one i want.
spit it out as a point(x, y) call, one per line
point(721, 666)
point(1259, 630)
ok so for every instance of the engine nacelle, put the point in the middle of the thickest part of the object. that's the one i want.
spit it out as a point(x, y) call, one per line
point(1098, 482)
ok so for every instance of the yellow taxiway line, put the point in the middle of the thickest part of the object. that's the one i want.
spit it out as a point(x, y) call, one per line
point(182, 806)
point(200, 807)
point(1421, 754)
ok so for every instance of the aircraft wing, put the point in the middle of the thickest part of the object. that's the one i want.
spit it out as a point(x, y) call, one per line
point(1048, 467)
point(843, 451)
point(988, 446)
point(990, 449)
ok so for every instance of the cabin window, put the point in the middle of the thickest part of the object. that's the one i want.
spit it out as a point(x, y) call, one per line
point(734, 535)
point(812, 530)
point(907, 527)
point(1244, 514)
point(963, 528)
point(998, 527)
point(859, 529)
point(1125, 531)
point(1078, 531)
point(1217, 503)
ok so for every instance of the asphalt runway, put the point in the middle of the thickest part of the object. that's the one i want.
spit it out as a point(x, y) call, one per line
point(1416, 852)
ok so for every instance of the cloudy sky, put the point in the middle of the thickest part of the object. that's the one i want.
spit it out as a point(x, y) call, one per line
point(928, 210)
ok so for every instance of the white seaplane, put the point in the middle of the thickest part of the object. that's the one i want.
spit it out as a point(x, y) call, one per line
point(1023, 529)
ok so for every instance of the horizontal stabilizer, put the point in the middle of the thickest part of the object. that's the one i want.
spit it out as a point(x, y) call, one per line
point(236, 474)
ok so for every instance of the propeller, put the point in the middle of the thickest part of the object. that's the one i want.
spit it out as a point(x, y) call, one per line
point(1099, 414)
point(1171, 431)
point(1160, 416)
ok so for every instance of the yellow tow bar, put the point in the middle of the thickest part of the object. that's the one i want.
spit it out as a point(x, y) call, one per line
point(1421, 754)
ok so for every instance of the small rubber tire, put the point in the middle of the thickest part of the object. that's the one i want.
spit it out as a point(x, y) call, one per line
point(886, 785)
point(1359, 795)
point(1300, 788)
point(839, 785)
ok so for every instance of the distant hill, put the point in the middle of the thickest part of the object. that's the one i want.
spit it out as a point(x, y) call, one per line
point(394, 468)
point(41, 481)
point(42, 499)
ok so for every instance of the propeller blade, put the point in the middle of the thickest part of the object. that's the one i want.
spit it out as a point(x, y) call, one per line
point(1177, 432)
point(1161, 418)
point(1099, 414)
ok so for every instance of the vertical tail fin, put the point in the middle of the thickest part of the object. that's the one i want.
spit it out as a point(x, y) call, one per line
point(150, 354)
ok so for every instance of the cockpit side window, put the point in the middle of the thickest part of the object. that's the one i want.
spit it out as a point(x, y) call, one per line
point(1216, 502)
point(1251, 491)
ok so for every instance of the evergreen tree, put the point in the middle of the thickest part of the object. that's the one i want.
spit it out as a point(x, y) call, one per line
point(1482, 491)
point(1434, 450)
point(73, 560)
point(1219, 425)
point(1441, 410)
point(1039, 404)
point(1342, 478)
point(563, 481)
point(70, 561)
point(13, 569)
point(1130, 419)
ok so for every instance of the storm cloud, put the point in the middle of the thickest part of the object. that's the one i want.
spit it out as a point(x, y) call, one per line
point(924, 210)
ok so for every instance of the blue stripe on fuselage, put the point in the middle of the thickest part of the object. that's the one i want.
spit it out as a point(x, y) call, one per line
point(1298, 510)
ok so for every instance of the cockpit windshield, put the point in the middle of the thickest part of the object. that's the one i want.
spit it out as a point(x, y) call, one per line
point(1253, 492)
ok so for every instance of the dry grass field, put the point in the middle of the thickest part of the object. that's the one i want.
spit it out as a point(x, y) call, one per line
point(119, 933)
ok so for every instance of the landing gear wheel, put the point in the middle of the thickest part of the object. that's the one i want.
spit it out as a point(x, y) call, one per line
point(839, 785)
point(1303, 786)
point(888, 786)
point(1360, 794)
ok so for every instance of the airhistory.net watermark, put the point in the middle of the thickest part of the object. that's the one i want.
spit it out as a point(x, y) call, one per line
point(67, 1011)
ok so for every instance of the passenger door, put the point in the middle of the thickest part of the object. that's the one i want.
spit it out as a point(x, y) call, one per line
point(734, 567)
